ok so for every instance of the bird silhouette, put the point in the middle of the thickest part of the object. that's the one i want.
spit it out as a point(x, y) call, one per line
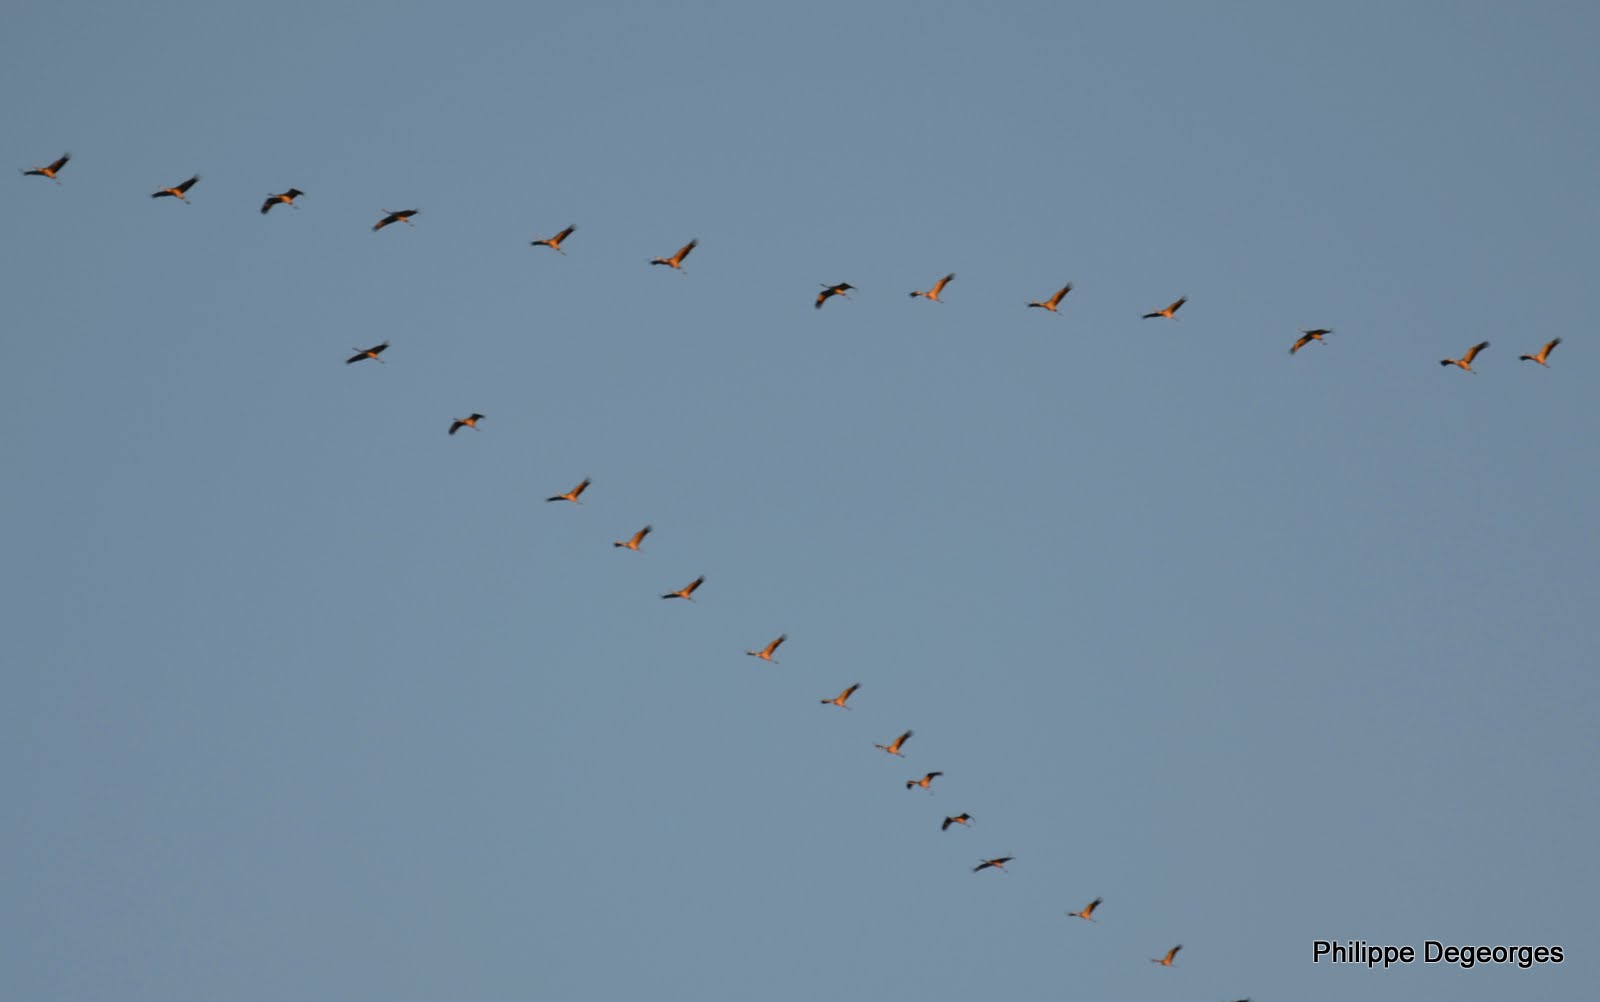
point(687, 591)
point(676, 260)
point(829, 291)
point(1167, 960)
point(286, 198)
point(572, 495)
point(1544, 353)
point(962, 819)
point(554, 243)
point(1306, 337)
point(843, 697)
point(1465, 361)
point(998, 863)
point(402, 216)
point(1055, 300)
point(926, 782)
point(1088, 911)
point(50, 171)
point(932, 295)
point(1177, 305)
point(178, 191)
point(633, 544)
point(372, 353)
point(765, 653)
point(470, 421)
point(893, 747)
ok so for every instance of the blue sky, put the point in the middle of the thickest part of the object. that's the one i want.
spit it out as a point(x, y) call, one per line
point(306, 698)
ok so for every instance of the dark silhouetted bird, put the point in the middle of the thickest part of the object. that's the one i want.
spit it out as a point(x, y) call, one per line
point(372, 353)
point(177, 191)
point(51, 171)
point(403, 216)
point(287, 198)
point(829, 291)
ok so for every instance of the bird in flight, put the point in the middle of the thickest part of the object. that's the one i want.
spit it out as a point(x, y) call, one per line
point(371, 353)
point(926, 782)
point(829, 291)
point(177, 191)
point(1465, 361)
point(633, 544)
point(687, 591)
point(403, 216)
point(1088, 911)
point(1055, 300)
point(676, 260)
point(998, 863)
point(893, 747)
point(1544, 353)
point(1177, 305)
point(765, 653)
point(470, 421)
point(843, 697)
point(1167, 960)
point(51, 171)
point(572, 495)
point(1306, 337)
point(287, 198)
point(932, 295)
point(554, 243)
point(960, 819)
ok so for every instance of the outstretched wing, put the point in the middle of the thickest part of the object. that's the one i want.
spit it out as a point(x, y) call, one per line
point(1472, 352)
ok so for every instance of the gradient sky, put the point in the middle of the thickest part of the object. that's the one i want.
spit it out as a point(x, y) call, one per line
point(305, 699)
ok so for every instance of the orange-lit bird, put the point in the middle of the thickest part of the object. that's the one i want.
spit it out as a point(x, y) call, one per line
point(676, 260)
point(1055, 300)
point(1177, 304)
point(403, 216)
point(470, 421)
point(1088, 911)
point(1167, 960)
point(843, 697)
point(50, 171)
point(765, 653)
point(1544, 353)
point(572, 495)
point(371, 353)
point(829, 291)
point(687, 591)
point(962, 819)
point(633, 544)
point(287, 198)
point(926, 782)
point(554, 243)
point(893, 747)
point(932, 295)
point(998, 863)
point(178, 191)
point(1465, 361)
point(1306, 337)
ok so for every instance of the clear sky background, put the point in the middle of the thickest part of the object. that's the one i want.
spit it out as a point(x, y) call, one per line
point(305, 699)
